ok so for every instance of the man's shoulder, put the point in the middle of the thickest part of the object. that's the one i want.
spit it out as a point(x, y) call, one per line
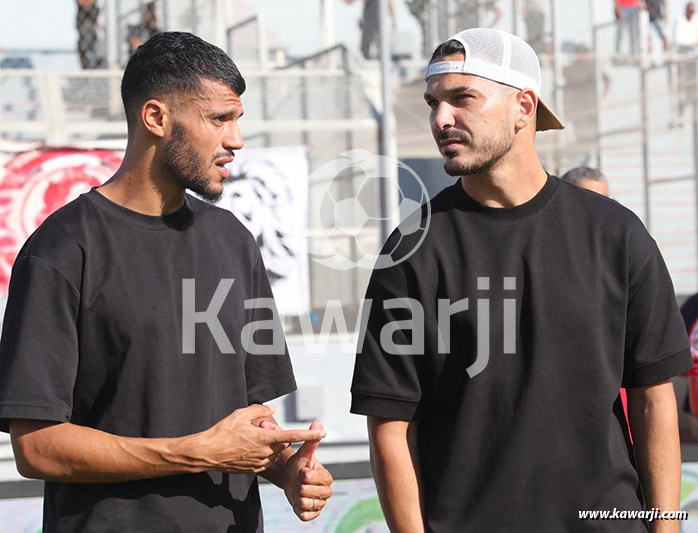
point(222, 219)
point(64, 227)
point(602, 209)
point(207, 210)
point(60, 240)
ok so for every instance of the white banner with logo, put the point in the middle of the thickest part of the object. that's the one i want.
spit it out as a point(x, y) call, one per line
point(268, 192)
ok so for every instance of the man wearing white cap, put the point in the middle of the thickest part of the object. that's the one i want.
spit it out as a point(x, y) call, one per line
point(493, 356)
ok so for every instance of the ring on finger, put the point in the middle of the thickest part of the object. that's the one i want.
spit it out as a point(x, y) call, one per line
point(314, 507)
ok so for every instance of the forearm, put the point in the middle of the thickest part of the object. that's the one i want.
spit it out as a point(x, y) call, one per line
point(396, 471)
point(76, 454)
point(654, 423)
point(237, 444)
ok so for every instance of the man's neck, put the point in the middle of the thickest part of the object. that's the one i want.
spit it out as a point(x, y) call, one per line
point(506, 186)
point(136, 187)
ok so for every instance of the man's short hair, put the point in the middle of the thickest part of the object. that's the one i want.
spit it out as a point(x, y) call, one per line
point(174, 63)
point(447, 49)
point(584, 173)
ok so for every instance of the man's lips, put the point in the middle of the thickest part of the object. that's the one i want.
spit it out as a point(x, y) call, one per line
point(224, 161)
point(221, 166)
point(448, 142)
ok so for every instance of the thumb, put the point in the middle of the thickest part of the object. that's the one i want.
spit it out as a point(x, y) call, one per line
point(309, 446)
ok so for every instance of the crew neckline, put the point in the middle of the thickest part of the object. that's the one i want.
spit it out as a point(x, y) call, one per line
point(509, 213)
point(177, 220)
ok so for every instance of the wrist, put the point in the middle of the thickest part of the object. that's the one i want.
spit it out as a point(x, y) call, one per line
point(278, 472)
point(184, 455)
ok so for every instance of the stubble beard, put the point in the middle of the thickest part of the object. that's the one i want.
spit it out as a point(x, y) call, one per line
point(186, 166)
point(484, 159)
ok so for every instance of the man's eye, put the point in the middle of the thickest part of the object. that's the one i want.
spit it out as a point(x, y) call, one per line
point(432, 103)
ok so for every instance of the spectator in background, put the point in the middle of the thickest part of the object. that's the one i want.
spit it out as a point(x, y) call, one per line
point(140, 33)
point(581, 101)
point(87, 22)
point(627, 15)
point(588, 178)
point(468, 14)
point(658, 16)
point(534, 18)
point(686, 43)
point(370, 26)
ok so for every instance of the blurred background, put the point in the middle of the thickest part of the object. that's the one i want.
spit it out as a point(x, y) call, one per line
point(334, 102)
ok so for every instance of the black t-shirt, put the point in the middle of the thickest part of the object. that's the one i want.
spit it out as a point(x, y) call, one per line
point(579, 292)
point(94, 334)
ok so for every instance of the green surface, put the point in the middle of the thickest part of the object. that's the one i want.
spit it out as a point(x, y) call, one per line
point(687, 488)
point(360, 515)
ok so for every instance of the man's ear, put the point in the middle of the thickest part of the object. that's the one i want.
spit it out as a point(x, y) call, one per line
point(155, 116)
point(527, 108)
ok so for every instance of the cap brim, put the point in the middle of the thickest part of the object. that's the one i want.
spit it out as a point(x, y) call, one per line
point(546, 119)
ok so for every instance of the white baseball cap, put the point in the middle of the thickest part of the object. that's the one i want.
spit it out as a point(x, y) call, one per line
point(502, 57)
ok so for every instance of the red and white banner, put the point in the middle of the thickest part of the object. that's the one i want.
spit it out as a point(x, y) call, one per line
point(34, 184)
point(267, 191)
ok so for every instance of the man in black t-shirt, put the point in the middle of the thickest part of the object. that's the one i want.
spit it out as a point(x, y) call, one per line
point(494, 351)
point(140, 337)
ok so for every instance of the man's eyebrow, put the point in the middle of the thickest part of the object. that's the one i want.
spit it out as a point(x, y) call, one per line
point(454, 90)
point(224, 113)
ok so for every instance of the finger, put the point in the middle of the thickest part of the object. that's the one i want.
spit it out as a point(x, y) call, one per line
point(317, 476)
point(307, 516)
point(319, 492)
point(309, 446)
point(295, 435)
point(266, 424)
point(256, 411)
point(277, 448)
point(310, 504)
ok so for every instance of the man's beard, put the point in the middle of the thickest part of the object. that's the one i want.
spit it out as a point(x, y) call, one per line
point(186, 166)
point(482, 161)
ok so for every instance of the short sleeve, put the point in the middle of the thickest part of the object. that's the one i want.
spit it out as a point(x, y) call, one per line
point(656, 344)
point(386, 384)
point(39, 344)
point(268, 369)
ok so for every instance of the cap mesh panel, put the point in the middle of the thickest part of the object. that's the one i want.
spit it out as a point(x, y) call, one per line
point(483, 47)
point(524, 60)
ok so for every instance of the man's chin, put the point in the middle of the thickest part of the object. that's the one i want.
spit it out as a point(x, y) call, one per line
point(453, 167)
point(210, 195)
point(207, 191)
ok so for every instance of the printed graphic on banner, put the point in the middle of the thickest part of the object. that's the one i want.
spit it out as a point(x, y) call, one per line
point(268, 192)
point(34, 184)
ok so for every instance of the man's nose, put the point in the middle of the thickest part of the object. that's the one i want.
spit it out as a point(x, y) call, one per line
point(233, 138)
point(442, 116)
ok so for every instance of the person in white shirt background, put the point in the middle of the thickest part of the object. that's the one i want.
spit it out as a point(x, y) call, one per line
point(686, 44)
